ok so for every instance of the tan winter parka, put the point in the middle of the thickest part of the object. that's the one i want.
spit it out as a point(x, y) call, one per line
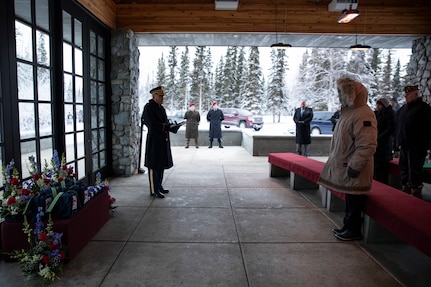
point(353, 143)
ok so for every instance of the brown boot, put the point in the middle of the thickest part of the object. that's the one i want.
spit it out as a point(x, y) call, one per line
point(406, 188)
point(196, 143)
point(417, 191)
point(187, 143)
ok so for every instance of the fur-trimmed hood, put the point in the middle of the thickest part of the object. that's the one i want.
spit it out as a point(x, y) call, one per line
point(351, 93)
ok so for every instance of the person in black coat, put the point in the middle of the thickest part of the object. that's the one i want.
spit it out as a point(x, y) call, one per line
point(158, 155)
point(302, 118)
point(413, 138)
point(385, 129)
point(215, 116)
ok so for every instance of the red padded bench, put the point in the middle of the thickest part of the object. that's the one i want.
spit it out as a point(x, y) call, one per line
point(403, 215)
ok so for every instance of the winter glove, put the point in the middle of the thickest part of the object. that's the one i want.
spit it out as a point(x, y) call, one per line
point(352, 173)
point(174, 127)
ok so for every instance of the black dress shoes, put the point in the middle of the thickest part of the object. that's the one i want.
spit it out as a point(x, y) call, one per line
point(348, 236)
point(338, 230)
point(159, 195)
point(164, 191)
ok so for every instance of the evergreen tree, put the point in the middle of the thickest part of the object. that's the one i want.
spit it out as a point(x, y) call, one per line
point(200, 92)
point(386, 82)
point(376, 67)
point(397, 86)
point(253, 89)
point(277, 99)
point(230, 93)
point(219, 80)
point(161, 72)
point(172, 98)
point(184, 79)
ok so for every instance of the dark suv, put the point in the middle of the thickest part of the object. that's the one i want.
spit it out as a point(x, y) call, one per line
point(241, 118)
point(321, 123)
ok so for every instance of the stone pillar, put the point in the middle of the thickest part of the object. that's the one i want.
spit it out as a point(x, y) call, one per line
point(125, 119)
point(419, 69)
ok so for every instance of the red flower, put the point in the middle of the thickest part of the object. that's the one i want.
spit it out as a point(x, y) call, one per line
point(53, 246)
point(64, 167)
point(70, 170)
point(45, 260)
point(11, 200)
point(37, 176)
point(14, 181)
point(106, 187)
point(60, 179)
point(26, 192)
point(43, 237)
point(62, 255)
point(46, 180)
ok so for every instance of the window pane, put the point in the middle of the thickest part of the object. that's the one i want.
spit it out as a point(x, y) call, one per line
point(100, 47)
point(68, 88)
point(45, 119)
point(70, 148)
point(23, 9)
point(78, 61)
point(78, 112)
point(101, 72)
point(94, 141)
point(102, 137)
point(81, 169)
point(46, 150)
point(68, 121)
point(42, 48)
point(25, 81)
point(27, 149)
point(80, 144)
point(101, 116)
point(67, 57)
point(94, 116)
point(102, 94)
point(78, 33)
point(26, 120)
point(103, 158)
point(24, 43)
point(93, 67)
point(42, 14)
point(78, 90)
point(95, 162)
point(43, 84)
point(93, 92)
point(67, 27)
point(93, 43)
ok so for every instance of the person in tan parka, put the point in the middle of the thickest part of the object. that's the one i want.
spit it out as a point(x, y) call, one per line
point(349, 168)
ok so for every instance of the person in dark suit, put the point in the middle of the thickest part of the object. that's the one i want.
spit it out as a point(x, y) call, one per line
point(215, 116)
point(302, 118)
point(158, 155)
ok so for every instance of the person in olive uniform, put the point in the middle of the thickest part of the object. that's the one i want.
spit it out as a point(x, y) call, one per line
point(158, 155)
point(193, 118)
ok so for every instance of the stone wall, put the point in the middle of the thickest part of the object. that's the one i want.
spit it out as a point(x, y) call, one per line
point(125, 119)
point(419, 69)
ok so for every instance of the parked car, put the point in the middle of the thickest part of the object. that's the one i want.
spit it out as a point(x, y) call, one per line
point(177, 116)
point(321, 123)
point(241, 118)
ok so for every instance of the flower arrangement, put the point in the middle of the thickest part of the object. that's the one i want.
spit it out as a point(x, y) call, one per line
point(14, 197)
point(44, 259)
point(112, 200)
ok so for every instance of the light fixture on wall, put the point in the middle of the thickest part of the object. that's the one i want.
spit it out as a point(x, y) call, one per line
point(278, 45)
point(347, 16)
point(226, 4)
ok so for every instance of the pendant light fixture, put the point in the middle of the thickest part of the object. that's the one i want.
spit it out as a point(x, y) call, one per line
point(347, 16)
point(278, 45)
point(360, 47)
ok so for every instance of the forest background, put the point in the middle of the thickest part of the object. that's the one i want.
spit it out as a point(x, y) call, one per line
point(267, 81)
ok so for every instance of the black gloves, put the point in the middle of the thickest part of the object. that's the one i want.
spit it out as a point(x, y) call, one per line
point(352, 173)
point(174, 126)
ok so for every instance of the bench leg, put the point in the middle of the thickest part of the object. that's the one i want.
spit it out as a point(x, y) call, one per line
point(324, 197)
point(299, 183)
point(375, 233)
point(276, 171)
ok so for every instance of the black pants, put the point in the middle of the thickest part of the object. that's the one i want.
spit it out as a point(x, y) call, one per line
point(353, 214)
point(411, 166)
point(155, 177)
point(381, 170)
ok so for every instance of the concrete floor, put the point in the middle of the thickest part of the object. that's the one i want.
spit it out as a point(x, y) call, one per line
point(225, 223)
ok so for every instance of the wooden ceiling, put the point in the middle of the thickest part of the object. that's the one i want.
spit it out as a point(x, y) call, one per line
point(382, 23)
